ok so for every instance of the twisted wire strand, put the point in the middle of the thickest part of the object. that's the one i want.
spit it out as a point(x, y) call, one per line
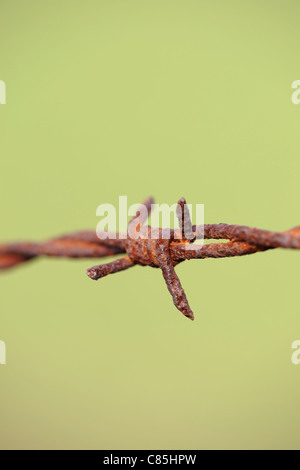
point(155, 247)
point(243, 240)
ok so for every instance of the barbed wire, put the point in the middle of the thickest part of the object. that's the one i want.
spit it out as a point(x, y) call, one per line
point(153, 248)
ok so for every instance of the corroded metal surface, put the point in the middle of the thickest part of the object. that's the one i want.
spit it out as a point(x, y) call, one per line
point(102, 270)
point(155, 247)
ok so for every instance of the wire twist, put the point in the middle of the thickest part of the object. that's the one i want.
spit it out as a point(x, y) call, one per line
point(152, 248)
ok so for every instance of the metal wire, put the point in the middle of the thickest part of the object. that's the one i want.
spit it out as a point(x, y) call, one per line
point(156, 251)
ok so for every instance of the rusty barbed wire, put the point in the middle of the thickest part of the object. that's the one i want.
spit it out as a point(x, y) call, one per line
point(153, 248)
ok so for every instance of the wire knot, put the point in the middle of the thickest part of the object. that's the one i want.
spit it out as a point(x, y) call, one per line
point(149, 245)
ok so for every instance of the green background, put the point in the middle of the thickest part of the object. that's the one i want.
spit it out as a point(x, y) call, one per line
point(170, 99)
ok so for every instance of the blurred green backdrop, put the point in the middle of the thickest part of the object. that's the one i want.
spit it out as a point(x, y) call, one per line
point(164, 98)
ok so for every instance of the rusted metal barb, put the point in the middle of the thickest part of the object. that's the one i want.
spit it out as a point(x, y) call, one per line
point(147, 246)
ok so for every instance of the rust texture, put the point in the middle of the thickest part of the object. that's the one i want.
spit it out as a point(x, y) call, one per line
point(155, 247)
